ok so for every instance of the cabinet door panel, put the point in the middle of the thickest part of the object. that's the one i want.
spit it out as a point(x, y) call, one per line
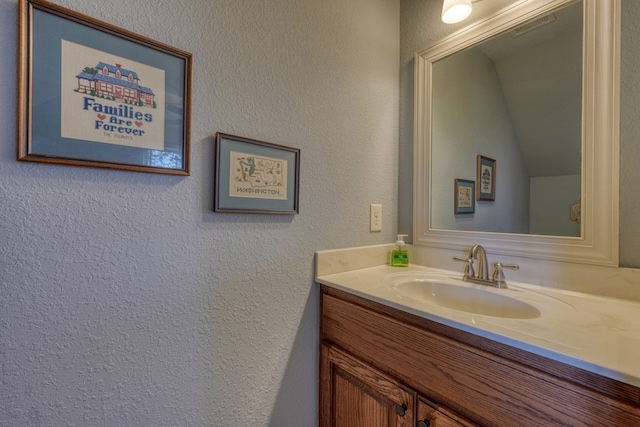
point(354, 394)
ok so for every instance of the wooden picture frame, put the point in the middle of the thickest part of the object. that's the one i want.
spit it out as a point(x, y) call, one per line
point(463, 197)
point(486, 178)
point(255, 176)
point(92, 94)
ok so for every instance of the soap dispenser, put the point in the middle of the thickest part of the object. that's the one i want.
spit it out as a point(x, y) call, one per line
point(399, 255)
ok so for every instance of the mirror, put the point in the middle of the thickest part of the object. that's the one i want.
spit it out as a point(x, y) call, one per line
point(517, 99)
point(548, 148)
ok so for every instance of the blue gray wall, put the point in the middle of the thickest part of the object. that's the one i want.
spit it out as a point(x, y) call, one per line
point(483, 127)
point(124, 300)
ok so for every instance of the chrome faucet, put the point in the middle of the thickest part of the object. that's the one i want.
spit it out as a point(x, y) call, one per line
point(477, 252)
point(480, 274)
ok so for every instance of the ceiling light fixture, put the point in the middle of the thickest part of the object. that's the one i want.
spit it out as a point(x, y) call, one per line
point(454, 11)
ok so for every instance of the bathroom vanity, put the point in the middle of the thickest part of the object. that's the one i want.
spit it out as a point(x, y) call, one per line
point(381, 366)
point(523, 355)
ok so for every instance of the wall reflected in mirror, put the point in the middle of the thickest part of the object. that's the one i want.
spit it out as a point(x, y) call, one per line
point(516, 98)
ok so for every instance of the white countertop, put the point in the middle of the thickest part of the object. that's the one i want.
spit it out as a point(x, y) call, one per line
point(595, 333)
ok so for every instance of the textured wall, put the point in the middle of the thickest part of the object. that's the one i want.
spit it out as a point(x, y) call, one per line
point(123, 299)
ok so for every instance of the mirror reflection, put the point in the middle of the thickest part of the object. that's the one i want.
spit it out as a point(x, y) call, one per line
point(515, 99)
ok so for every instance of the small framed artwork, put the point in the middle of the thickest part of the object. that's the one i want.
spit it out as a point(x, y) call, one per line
point(255, 176)
point(92, 94)
point(486, 177)
point(464, 200)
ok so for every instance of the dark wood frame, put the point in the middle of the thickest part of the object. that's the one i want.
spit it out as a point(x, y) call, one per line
point(128, 157)
point(486, 161)
point(225, 202)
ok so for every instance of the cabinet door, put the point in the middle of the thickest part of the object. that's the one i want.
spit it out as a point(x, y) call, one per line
point(353, 394)
point(430, 415)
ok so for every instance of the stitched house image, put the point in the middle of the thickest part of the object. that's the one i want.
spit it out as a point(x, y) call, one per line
point(116, 83)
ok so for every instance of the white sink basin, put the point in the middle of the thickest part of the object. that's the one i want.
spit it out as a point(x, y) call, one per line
point(458, 295)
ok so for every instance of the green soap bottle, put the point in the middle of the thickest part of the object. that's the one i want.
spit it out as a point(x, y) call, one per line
point(399, 255)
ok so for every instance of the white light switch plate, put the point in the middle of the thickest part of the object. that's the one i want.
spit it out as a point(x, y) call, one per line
point(376, 217)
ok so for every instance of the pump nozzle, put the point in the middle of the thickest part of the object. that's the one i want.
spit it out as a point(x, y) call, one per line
point(400, 241)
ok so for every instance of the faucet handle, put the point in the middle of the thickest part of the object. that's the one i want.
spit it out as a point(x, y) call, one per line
point(497, 275)
point(468, 268)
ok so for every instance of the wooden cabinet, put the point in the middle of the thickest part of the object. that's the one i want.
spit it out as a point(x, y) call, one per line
point(374, 358)
point(355, 394)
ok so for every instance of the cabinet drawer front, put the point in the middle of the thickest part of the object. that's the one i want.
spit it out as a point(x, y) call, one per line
point(434, 416)
point(477, 384)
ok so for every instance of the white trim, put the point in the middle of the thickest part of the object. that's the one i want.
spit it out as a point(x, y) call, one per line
point(598, 243)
